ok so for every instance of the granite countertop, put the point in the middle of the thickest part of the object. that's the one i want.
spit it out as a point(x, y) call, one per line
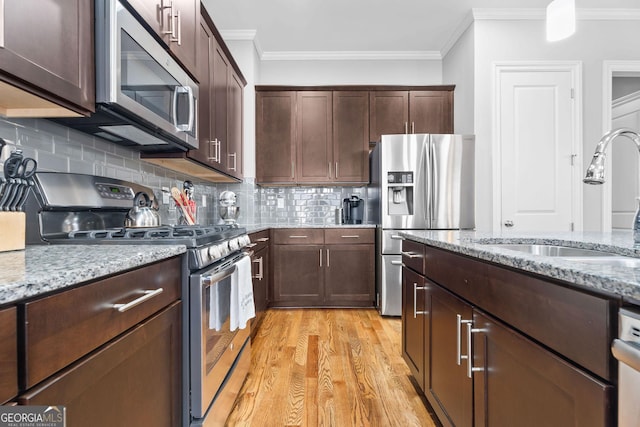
point(617, 281)
point(260, 227)
point(44, 268)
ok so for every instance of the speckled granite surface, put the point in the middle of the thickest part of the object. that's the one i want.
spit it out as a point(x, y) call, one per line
point(612, 280)
point(40, 269)
point(260, 227)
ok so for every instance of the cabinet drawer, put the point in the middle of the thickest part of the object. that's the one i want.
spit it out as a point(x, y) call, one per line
point(8, 354)
point(459, 274)
point(298, 236)
point(63, 327)
point(351, 236)
point(413, 255)
point(575, 324)
point(260, 239)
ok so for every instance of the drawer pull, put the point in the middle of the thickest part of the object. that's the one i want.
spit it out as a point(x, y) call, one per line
point(250, 245)
point(262, 239)
point(411, 255)
point(351, 237)
point(148, 294)
point(297, 237)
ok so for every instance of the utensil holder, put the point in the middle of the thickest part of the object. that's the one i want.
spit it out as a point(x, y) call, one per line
point(12, 231)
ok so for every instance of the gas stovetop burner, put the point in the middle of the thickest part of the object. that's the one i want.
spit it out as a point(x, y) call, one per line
point(162, 232)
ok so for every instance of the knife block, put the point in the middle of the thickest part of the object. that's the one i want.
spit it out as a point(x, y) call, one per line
point(12, 231)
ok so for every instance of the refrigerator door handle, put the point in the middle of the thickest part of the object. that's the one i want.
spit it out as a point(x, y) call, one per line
point(430, 176)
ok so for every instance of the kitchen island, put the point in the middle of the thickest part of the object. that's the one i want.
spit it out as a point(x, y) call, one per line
point(499, 335)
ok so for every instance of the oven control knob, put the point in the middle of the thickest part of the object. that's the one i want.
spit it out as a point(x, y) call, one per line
point(214, 252)
point(224, 249)
point(234, 244)
point(244, 240)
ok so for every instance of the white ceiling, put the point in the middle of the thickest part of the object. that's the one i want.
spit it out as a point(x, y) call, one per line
point(366, 25)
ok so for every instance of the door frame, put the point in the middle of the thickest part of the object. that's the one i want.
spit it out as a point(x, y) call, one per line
point(500, 68)
point(609, 69)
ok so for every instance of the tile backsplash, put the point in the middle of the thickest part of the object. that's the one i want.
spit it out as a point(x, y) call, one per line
point(61, 149)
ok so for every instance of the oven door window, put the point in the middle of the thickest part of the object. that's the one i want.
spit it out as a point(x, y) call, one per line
point(147, 83)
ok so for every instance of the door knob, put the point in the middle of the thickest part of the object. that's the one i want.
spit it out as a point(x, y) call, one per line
point(508, 223)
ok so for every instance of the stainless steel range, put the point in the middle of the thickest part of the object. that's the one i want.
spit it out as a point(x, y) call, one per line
point(85, 209)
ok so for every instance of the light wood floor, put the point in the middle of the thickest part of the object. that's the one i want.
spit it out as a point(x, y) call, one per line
point(328, 367)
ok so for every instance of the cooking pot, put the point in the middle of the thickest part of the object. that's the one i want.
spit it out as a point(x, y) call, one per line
point(142, 214)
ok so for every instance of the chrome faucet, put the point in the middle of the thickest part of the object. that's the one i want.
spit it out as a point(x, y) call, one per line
point(595, 171)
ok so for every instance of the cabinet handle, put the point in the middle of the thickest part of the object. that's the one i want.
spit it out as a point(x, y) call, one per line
point(413, 127)
point(260, 268)
point(336, 169)
point(417, 288)
point(355, 236)
point(235, 161)
point(215, 144)
point(148, 294)
point(1, 24)
point(293, 170)
point(328, 262)
point(459, 355)
point(251, 245)
point(320, 250)
point(469, 357)
point(411, 255)
point(406, 127)
point(329, 169)
point(297, 237)
point(262, 239)
point(172, 30)
point(179, 39)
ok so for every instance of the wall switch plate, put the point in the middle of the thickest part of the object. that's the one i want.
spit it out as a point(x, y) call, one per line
point(165, 196)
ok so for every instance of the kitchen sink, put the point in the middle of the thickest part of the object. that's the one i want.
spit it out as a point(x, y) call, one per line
point(569, 253)
point(552, 250)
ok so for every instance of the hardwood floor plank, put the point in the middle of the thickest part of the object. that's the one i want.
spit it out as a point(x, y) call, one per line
point(328, 367)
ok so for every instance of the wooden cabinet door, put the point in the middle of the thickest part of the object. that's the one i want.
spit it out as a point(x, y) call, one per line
point(525, 385)
point(275, 136)
point(349, 275)
point(206, 42)
point(220, 105)
point(187, 22)
point(314, 161)
point(351, 136)
point(388, 113)
point(414, 332)
point(298, 274)
point(234, 148)
point(132, 381)
point(450, 390)
point(431, 111)
point(64, 64)
point(8, 354)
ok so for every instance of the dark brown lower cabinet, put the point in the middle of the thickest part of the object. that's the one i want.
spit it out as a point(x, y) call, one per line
point(349, 275)
point(134, 380)
point(297, 275)
point(8, 354)
point(449, 389)
point(520, 383)
point(415, 331)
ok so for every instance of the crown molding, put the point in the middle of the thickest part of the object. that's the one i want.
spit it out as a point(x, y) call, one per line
point(457, 33)
point(511, 14)
point(244, 35)
point(350, 55)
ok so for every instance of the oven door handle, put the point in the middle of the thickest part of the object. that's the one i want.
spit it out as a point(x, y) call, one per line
point(626, 353)
point(206, 279)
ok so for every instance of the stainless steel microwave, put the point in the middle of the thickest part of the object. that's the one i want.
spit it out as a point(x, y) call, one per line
point(144, 98)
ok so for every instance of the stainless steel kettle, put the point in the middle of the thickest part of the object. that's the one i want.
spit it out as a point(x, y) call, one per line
point(142, 214)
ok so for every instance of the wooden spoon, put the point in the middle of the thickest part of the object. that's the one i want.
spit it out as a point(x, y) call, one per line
point(178, 197)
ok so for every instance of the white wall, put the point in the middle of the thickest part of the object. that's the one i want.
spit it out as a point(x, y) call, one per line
point(594, 42)
point(346, 72)
point(458, 69)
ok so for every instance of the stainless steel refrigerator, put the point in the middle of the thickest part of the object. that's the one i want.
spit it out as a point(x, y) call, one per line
point(418, 181)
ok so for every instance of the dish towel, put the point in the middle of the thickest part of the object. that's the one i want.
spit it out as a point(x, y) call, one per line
point(218, 306)
point(242, 306)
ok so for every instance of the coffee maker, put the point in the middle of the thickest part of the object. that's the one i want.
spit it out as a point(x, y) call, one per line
point(353, 210)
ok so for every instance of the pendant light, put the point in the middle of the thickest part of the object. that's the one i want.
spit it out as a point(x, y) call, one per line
point(561, 19)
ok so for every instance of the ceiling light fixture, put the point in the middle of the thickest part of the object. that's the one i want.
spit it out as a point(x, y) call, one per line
point(561, 19)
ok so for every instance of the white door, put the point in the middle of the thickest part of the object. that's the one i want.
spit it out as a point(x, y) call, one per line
point(624, 158)
point(537, 140)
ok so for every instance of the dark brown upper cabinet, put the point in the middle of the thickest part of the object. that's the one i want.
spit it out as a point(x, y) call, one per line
point(314, 140)
point(351, 136)
point(47, 58)
point(412, 111)
point(176, 22)
point(220, 114)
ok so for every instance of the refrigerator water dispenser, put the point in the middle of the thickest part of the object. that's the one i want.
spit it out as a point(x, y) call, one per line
point(400, 193)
